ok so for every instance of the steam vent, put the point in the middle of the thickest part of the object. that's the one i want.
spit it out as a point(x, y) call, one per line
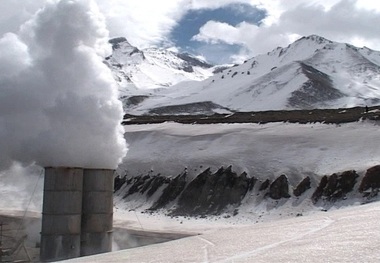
point(77, 213)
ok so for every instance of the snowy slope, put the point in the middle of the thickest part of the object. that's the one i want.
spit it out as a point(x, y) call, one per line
point(141, 71)
point(264, 151)
point(346, 235)
point(261, 151)
point(264, 230)
point(313, 72)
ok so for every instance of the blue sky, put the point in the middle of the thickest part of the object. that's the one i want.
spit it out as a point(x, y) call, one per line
point(193, 20)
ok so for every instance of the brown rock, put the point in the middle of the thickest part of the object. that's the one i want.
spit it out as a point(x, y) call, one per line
point(264, 185)
point(371, 179)
point(279, 188)
point(302, 186)
point(336, 186)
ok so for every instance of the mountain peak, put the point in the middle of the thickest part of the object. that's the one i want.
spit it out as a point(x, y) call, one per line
point(118, 41)
point(315, 38)
point(152, 68)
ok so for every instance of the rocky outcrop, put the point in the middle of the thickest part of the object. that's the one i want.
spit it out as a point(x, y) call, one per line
point(264, 185)
point(302, 187)
point(119, 182)
point(171, 192)
point(279, 188)
point(147, 184)
point(211, 193)
point(156, 183)
point(137, 184)
point(207, 193)
point(336, 186)
point(214, 193)
point(319, 190)
point(371, 180)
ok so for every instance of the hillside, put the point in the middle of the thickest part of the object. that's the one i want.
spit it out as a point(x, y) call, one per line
point(236, 167)
point(310, 73)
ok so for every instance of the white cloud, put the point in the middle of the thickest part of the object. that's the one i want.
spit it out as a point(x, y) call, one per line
point(211, 31)
point(254, 39)
point(147, 22)
point(142, 22)
point(344, 21)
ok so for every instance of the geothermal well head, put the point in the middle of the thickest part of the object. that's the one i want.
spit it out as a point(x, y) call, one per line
point(77, 213)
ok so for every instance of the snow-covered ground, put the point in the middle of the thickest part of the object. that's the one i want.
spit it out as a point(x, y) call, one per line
point(263, 151)
point(345, 235)
point(288, 230)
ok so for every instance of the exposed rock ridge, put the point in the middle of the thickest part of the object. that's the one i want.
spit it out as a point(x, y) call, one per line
point(224, 190)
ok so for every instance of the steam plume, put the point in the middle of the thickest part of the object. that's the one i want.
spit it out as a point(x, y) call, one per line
point(58, 102)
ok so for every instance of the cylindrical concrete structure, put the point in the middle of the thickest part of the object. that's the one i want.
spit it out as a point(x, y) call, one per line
point(61, 213)
point(97, 212)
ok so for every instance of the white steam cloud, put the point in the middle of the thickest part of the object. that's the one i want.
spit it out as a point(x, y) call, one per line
point(58, 101)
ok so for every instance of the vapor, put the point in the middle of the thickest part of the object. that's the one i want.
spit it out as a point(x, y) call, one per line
point(58, 102)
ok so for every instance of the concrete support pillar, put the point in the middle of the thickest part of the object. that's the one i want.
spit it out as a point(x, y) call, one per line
point(61, 213)
point(97, 214)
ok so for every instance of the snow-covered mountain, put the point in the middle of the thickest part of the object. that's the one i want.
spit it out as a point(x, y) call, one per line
point(138, 72)
point(312, 72)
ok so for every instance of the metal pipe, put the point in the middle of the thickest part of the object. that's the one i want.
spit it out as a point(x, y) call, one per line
point(61, 213)
point(97, 214)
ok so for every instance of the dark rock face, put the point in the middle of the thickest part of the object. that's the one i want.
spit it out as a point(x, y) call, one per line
point(207, 193)
point(137, 183)
point(192, 61)
point(211, 193)
point(156, 183)
point(134, 100)
point(171, 192)
point(198, 190)
point(148, 184)
point(115, 42)
point(371, 179)
point(264, 185)
point(346, 183)
point(319, 191)
point(205, 107)
point(304, 185)
point(119, 182)
point(279, 188)
point(336, 186)
point(318, 88)
point(202, 112)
